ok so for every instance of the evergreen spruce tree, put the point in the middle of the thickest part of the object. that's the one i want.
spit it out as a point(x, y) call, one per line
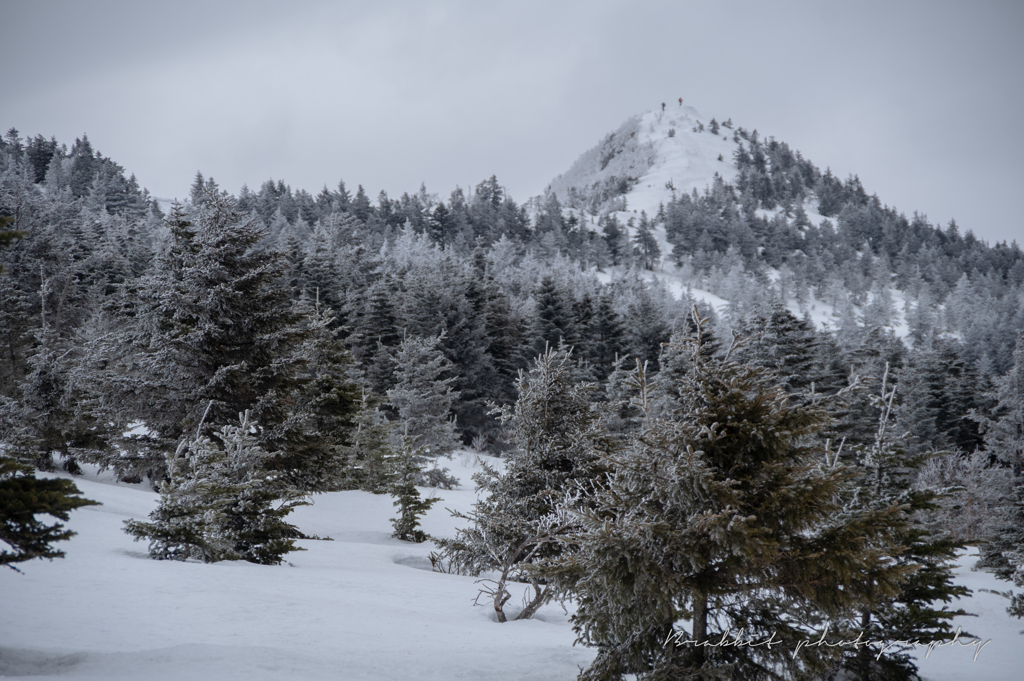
point(554, 317)
point(780, 342)
point(375, 333)
point(558, 441)
point(644, 320)
point(646, 244)
point(620, 413)
point(370, 457)
point(725, 515)
point(410, 504)
point(616, 238)
point(210, 326)
point(322, 406)
point(423, 396)
point(23, 496)
point(221, 503)
point(605, 336)
point(506, 339)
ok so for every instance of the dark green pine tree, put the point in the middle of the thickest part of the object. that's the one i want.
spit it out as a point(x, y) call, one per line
point(439, 224)
point(16, 337)
point(961, 395)
point(7, 235)
point(723, 514)
point(677, 361)
point(605, 338)
point(646, 245)
point(361, 206)
point(616, 238)
point(376, 334)
point(209, 334)
point(505, 335)
point(780, 342)
point(939, 392)
point(15, 324)
point(411, 506)
point(322, 410)
point(854, 416)
point(23, 496)
point(554, 317)
point(83, 168)
point(646, 327)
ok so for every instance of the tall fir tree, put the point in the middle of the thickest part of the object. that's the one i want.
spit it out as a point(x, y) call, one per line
point(554, 319)
point(410, 504)
point(210, 328)
point(23, 496)
point(723, 514)
point(423, 396)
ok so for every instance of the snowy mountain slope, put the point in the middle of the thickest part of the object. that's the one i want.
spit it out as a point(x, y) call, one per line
point(361, 607)
point(654, 157)
point(655, 154)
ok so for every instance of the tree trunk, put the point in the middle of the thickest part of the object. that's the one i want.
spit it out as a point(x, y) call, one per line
point(539, 596)
point(700, 626)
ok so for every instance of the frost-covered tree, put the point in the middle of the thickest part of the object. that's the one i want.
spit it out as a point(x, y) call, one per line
point(605, 338)
point(557, 438)
point(780, 342)
point(1004, 439)
point(322, 405)
point(423, 395)
point(723, 515)
point(210, 326)
point(375, 333)
point(554, 322)
point(646, 244)
point(369, 455)
point(974, 488)
point(220, 502)
point(411, 506)
point(23, 496)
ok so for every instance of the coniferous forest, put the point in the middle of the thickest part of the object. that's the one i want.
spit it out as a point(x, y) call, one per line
point(671, 468)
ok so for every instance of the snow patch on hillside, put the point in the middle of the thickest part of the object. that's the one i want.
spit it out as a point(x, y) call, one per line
point(655, 155)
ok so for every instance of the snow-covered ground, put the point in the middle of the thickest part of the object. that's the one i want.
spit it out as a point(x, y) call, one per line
point(363, 606)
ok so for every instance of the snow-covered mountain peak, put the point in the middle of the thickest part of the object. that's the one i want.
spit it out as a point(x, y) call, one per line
point(650, 157)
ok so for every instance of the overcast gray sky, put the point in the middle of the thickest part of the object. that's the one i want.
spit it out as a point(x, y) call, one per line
point(921, 99)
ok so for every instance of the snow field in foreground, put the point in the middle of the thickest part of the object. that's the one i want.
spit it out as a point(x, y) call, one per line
point(363, 606)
